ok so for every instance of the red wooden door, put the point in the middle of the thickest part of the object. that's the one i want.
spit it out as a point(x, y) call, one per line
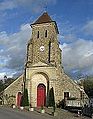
point(41, 95)
point(19, 96)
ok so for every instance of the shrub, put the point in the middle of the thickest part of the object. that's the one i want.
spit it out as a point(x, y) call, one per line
point(51, 100)
point(24, 99)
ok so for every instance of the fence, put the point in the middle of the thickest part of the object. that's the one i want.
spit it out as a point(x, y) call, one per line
point(73, 103)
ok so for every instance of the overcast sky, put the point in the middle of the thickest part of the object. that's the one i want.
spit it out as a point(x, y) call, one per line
point(75, 23)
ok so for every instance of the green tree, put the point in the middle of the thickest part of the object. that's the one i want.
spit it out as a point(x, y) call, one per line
point(51, 99)
point(1, 85)
point(88, 86)
point(5, 83)
point(24, 100)
point(8, 81)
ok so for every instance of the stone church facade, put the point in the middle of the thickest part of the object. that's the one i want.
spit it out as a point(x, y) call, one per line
point(43, 68)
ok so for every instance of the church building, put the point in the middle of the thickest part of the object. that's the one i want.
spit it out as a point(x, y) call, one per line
point(43, 69)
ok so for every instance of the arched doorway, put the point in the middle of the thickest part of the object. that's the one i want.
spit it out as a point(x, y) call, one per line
point(18, 99)
point(41, 95)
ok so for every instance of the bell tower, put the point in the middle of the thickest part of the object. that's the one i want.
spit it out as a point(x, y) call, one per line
point(43, 70)
point(43, 45)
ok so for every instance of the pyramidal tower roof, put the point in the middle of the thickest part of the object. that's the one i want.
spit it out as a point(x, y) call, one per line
point(44, 18)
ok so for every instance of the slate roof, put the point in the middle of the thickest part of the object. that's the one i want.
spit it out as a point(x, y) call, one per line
point(44, 18)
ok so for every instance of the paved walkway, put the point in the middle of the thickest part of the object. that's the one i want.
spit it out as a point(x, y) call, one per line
point(9, 113)
point(62, 114)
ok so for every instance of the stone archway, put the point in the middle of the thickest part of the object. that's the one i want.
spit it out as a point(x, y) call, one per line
point(41, 95)
point(35, 84)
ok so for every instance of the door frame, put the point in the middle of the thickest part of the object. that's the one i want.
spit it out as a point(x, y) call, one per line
point(44, 99)
point(18, 101)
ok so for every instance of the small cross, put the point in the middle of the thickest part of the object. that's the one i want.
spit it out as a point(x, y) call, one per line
point(45, 8)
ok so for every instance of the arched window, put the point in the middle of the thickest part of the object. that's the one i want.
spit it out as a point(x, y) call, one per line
point(46, 33)
point(38, 34)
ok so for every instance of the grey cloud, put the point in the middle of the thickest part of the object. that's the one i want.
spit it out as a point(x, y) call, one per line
point(14, 48)
point(78, 56)
point(68, 32)
point(68, 38)
point(88, 28)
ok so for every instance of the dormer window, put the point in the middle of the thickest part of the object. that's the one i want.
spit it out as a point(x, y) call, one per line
point(46, 33)
point(38, 34)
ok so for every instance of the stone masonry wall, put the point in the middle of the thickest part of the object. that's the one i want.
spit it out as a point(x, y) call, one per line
point(11, 91)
